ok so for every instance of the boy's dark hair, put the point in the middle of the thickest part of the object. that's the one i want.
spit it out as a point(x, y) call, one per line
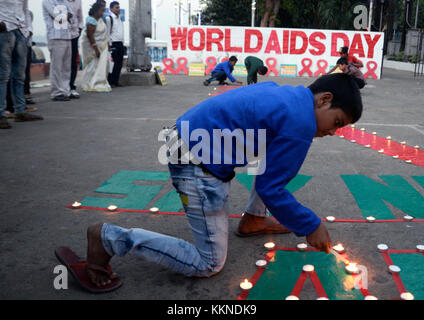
point(233, 58)
point(113, 3)
point(344, 50)
point(345, 90)
point(342, 61)
point(262, 70)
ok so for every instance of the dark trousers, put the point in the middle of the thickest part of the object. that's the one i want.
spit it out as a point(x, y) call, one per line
point(118, 51)
point(28, 72)
point(74, 64)
point(219, 76)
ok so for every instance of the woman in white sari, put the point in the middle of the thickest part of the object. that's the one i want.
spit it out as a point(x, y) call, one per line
point(95, 52)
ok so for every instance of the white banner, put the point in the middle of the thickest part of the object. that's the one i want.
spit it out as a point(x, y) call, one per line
point(286, 52)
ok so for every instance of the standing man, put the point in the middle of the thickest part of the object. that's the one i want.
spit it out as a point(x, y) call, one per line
point(14, 17)
point(76, 28)
point(254, 66)
point(116, 31)
point(58, 18)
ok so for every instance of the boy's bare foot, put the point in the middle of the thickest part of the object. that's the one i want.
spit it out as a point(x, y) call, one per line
point(96, 255)
point(251, 225)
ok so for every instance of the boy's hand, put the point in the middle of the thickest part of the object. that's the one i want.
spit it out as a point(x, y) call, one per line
point(239, 82)
point(320, 239)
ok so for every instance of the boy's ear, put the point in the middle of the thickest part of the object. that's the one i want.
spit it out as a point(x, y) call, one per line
point(323, 99)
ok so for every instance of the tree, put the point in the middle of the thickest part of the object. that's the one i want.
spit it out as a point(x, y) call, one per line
point(272, 7)
point(227, 13)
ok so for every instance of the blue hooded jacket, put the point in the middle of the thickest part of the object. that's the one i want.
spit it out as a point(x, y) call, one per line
point(286, 115)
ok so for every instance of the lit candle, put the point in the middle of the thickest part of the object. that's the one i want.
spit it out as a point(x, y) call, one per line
point(416, 147)
point(396, 156)
point(341, 136)
point(403, 142)
point(381, 150)
point(406, 296)
point(352, 140)
point(302, 246)
point(374, 133)
point(154, 209)
point(76, 205)
point(323, 298)
point(408, 161)
point(330, 219)
point(308, 268)
point(261, 263)
point(408, 218)
point(388, 137)
point(352, 268)
point(112, 207)
point(420, 248)
point(292, 298)
point(370, 298)
point(394, 269)
point(362, 129)
point(370, 219)
point(269, 245)
point(246, 285)
point(352, 125)
point(339, 248)
point(367, 146)
point(382, 247)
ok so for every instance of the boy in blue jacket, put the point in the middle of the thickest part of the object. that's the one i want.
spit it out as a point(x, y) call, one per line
point(275, 122)
point(223, 71)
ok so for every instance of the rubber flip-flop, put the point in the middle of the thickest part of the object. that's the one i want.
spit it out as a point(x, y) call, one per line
point(78, 268)
point(259, 233)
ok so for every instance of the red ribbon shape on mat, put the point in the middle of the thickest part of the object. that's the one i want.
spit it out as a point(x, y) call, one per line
point(182, 65)
point(322, 66)
point(371, 66)
point(168, 63)
point(306, 64)
point(210, 63)
point(271, 66)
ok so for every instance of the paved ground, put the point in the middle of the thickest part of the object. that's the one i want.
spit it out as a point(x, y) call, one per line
point(47, 165)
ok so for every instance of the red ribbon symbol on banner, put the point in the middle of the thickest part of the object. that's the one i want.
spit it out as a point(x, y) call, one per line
point(306, 67)
point(271, 66)
point(210, 62)
point(182, 65)
point(322, 65)
point(168, 63)
point(371, 66)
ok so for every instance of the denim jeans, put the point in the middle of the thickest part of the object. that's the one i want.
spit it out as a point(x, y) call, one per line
point(205, 201)
point(219, 76)
point(13, 59)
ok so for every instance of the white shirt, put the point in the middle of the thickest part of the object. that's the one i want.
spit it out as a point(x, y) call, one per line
point(78, 19)
point(15, 15)
point(57, 25)
point(117, 33)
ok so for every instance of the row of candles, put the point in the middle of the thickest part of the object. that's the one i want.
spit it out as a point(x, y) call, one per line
point(111, 207)
point(370, 219)
point(350, 267)
point(388, 138)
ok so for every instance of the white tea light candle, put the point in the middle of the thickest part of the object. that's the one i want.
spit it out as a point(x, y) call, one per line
point(394, 269)
point(339, 248)
point(246, 285)
point(302, 246)
point(112, 207)
point(382, 247)
point(292, 298)
point(154, 209)
point(370, 219)
point(308, 268)
point(261, 263)
point(76, 205)
point(352, 268)
point(406, 296)
point(370, 298)
point(420, 248)
point(269, 245)
point(330, 219)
